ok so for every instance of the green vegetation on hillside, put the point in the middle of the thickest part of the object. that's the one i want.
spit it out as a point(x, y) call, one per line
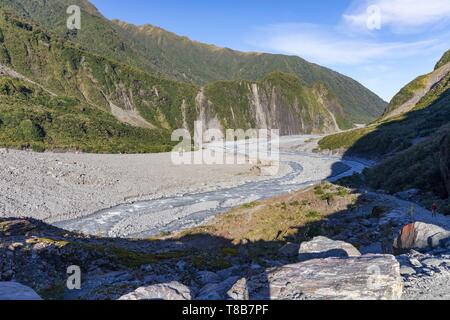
point(67, 70)
point(344, 140)
point(408, 145)
point(32, 119)
point(407, 93)
point(417, 167)
point(159, 52)
point(388, 136)
point(444, 60)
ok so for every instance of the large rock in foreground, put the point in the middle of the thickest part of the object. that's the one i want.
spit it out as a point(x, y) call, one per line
point(164, 291)
point(419, 236)
point(17, 291)
point(371, 277)
point(321, 247)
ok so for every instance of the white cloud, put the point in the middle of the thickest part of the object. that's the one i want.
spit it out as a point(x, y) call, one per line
point(400, 15)
point(329, 46)
point(413, 33)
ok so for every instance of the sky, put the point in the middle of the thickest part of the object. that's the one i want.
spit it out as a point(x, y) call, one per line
point(384, 44)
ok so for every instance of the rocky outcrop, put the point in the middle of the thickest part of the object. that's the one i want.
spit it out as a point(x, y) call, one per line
point(321, 247)
point(164, 291)
point(17, 291)
point(371, 277)
point(216, 291)
point(445, 162)
point(279, 101)
point(420, 235)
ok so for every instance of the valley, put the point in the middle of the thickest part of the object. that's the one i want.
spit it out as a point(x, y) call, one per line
point(355, 192)
point(148, 195)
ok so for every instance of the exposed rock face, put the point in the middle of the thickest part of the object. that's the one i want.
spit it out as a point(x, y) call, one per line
point(17, 291)
point(371, 277)
point(420, 235)
point(321, 247)
point(164, 291)
point(293, 109)
point(445, 162)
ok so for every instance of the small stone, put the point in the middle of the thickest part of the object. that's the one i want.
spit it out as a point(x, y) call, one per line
point(15, 246)
point(432, 262)
point(216, 291)
point(415, 262)
point(407, 271)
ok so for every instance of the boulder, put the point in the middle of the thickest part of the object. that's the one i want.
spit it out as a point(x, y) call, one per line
point(419, 236)
point(407, 271)
point(370, 277)
point(17, 291)
point(216, 291)
point(433, 262)
point(163, 291)
point(321, 247)
point(205, 277)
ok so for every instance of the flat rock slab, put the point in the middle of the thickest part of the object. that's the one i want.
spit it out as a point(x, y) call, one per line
point(322, 247)
point(164, 291)
point(407, 271)
point(433, 262)
point(370, 277)
point(17, 291)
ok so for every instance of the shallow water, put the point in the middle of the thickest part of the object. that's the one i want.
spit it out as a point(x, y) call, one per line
point(148, 218)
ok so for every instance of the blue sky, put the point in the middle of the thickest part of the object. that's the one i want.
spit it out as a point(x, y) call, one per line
point(383, 44)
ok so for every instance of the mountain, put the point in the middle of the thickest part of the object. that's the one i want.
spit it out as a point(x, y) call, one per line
point(120, 94)
point(411, 140)
point(162, 53)
point(188, 60)
point(71, 96)
point(444, 60)
point(413, 94)
point(419, 110)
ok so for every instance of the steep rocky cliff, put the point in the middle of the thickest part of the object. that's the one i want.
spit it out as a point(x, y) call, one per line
point(280, 101)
